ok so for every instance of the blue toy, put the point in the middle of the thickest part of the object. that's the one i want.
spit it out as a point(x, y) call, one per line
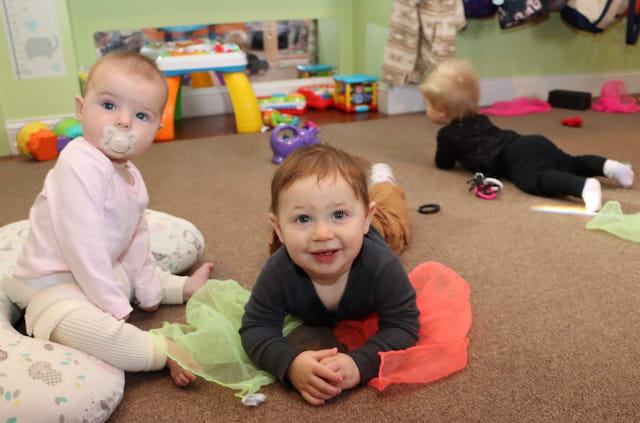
point(286, 138)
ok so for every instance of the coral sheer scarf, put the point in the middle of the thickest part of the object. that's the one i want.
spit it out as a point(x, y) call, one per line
point(445, 320)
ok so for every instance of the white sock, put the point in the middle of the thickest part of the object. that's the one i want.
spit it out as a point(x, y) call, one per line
point(618, 171)
point(381, 172)
point(592, 195)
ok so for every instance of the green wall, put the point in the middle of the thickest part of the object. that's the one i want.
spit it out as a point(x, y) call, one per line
point(550, 47)
point(4, 141)
point(547, 48)
point(27, 98)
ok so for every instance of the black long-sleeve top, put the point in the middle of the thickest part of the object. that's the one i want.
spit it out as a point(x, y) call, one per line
point(377, 283)
point(473, 141)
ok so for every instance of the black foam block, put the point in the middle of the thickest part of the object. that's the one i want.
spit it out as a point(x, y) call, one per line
point(566, 99)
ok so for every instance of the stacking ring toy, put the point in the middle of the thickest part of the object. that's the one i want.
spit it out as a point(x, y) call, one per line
point(487, 188)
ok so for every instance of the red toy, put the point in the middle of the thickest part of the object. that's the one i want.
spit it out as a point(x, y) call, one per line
point(319, 96)
point(573, 122)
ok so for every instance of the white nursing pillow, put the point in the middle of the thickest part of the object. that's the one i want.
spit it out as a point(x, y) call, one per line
point(45, 381)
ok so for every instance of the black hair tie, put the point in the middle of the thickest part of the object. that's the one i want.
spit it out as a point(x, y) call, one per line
point(429, 208)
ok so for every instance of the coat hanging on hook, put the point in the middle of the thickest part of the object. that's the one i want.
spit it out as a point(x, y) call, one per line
point(592, 15)
point(421, 34)
point(633, 22)
point(517, 12)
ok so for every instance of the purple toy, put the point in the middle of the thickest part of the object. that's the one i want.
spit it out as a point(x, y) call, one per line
point(293, 139)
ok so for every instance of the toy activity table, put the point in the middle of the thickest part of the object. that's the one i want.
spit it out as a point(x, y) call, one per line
point(231, 63)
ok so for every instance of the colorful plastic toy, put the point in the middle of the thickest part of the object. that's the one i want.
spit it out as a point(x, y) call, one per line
point(66, 130)
point(273, 118)
point(319, 96)
point(309, 71)
point(295, 104)
point(36, 140)
point(286, 138)
point(178, 59)
point(355, 93)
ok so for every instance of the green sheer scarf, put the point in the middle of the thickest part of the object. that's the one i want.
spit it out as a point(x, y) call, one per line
point(209, 345)
point(612, 220)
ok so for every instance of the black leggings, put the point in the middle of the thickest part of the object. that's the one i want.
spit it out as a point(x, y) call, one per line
point(537, 166)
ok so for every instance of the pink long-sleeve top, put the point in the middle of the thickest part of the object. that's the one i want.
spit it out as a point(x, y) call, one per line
point(86, 219)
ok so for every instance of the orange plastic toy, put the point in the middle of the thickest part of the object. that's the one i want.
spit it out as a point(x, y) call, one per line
point(36, 140)
point(167, 128)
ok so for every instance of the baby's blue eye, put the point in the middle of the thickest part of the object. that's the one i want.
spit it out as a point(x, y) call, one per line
point(303, 219)
point(108, 106)
point(142, 116)
point(339, 214)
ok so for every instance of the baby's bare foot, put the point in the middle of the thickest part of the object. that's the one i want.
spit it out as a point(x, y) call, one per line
point(197, 280)
point(181, 377)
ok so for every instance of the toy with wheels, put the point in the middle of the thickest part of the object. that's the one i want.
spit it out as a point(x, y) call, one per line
point(293, 104)
point(273, 118)
point(286, 138)
point(319, 96)
point(36, 140)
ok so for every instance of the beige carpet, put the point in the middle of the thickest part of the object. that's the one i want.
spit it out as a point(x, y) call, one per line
point(555, 306)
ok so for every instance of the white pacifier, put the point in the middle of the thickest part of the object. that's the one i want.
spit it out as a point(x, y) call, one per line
point(118, 141)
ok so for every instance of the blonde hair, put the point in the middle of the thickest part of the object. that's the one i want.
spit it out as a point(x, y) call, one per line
point(322, 161)
point(240, 38)
point(130, 61)
point(453, 86)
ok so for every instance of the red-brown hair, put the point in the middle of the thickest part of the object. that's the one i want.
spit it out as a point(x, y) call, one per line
point(322, 161)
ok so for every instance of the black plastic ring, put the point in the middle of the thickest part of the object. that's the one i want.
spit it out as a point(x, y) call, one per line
point(429, 208)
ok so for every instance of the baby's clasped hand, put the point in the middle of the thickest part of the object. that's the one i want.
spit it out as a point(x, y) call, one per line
point(315, 381)
point(345, 367)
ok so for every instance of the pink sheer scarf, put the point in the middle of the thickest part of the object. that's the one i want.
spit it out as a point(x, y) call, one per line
point(614, 98)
